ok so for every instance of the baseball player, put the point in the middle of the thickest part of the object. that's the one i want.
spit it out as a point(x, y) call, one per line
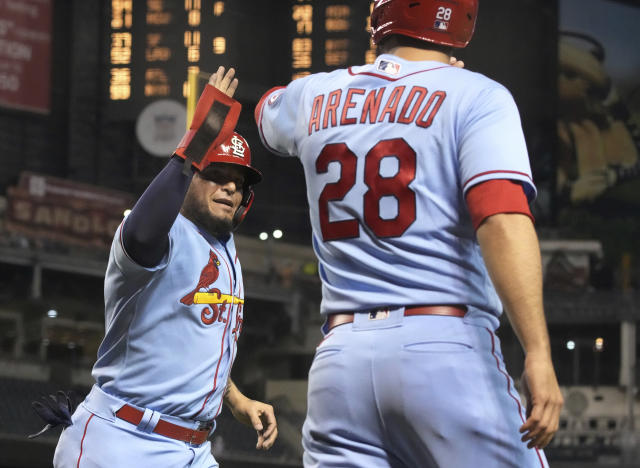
point(174, 309)
point(417, 181)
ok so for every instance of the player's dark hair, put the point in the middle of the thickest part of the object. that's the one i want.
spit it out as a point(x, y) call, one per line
point(396, 40)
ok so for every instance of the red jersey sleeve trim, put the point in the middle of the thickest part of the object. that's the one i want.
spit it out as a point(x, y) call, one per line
point(503, 171)
point(494, 197)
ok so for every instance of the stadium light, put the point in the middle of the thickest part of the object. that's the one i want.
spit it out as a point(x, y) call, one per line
point(599, 344)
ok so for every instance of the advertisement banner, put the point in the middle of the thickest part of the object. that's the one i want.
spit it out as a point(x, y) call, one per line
point(68, 212)
point(25, 54)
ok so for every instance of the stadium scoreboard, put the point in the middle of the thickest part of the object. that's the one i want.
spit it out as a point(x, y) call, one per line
point(153, 45)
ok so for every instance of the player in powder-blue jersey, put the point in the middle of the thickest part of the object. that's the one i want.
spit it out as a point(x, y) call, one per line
point(417, 181)
point(174, 309)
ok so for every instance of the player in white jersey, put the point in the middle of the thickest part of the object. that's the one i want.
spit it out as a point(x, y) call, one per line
point(174, 309)
point(417, 181)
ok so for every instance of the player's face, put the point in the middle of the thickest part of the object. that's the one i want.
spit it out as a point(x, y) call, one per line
point(214, 196)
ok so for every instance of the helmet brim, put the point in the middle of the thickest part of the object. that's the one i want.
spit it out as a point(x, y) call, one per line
point(252, 175)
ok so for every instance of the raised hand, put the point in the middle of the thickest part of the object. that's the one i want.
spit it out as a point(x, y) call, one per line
point(225, 82)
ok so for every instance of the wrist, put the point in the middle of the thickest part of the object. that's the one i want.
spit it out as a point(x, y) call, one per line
point(538, 353)
point(233, 397)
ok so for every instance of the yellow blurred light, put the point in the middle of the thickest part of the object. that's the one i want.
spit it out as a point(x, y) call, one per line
point(193, 18)
point(301, 49)
point(156, 82)
point(337, 18)
point(336, 51)
point(121, 13)
point(219, 45)
point(121, 48)
point(303, 16)
point(120, 84)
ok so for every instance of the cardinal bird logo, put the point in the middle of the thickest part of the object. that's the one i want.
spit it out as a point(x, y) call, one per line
point(208, 276)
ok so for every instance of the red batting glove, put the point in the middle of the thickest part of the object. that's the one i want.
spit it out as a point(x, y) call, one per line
point(213, 122)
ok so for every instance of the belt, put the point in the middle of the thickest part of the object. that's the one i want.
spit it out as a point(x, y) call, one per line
point(165, 428)
point(447, 310)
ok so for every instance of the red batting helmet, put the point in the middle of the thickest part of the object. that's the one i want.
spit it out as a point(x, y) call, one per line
point(235, 150)
point(447, 22)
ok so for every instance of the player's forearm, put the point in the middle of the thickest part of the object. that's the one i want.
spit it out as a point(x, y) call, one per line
point(511, 252)
point(232, 395)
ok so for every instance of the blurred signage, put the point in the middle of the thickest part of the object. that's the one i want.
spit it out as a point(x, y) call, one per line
point(567, 264)
point(599, 105)
point(598, 163)
point(160, 127)
point(25, 54)
point(60, 210)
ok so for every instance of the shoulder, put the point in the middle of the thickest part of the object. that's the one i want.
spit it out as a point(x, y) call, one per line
point(182, 224)
point(481, 94)
point(183, 227)
point(475, 83)
point(290, 94)
point(319, 80)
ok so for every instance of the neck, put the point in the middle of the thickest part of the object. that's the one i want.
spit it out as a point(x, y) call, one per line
point(418, 55)
point(221, 230)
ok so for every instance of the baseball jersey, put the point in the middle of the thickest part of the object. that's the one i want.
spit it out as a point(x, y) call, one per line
point(172, 330)
point(389, 150)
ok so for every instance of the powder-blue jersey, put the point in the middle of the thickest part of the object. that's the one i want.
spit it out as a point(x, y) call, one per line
point(171, 331)
point(388, 213)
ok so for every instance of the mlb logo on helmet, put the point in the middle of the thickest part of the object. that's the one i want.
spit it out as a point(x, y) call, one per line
point(237, 147)
point(441, 25)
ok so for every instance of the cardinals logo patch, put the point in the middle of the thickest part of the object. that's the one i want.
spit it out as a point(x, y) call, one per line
point(208, 276)
point(217, 303)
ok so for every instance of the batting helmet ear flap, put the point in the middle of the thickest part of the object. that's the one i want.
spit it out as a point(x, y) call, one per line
point(247, 200)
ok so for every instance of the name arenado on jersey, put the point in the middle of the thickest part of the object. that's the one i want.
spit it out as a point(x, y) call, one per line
point(416, 106)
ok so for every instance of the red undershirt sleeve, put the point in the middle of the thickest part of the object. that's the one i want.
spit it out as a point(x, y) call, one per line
point(494, 197)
